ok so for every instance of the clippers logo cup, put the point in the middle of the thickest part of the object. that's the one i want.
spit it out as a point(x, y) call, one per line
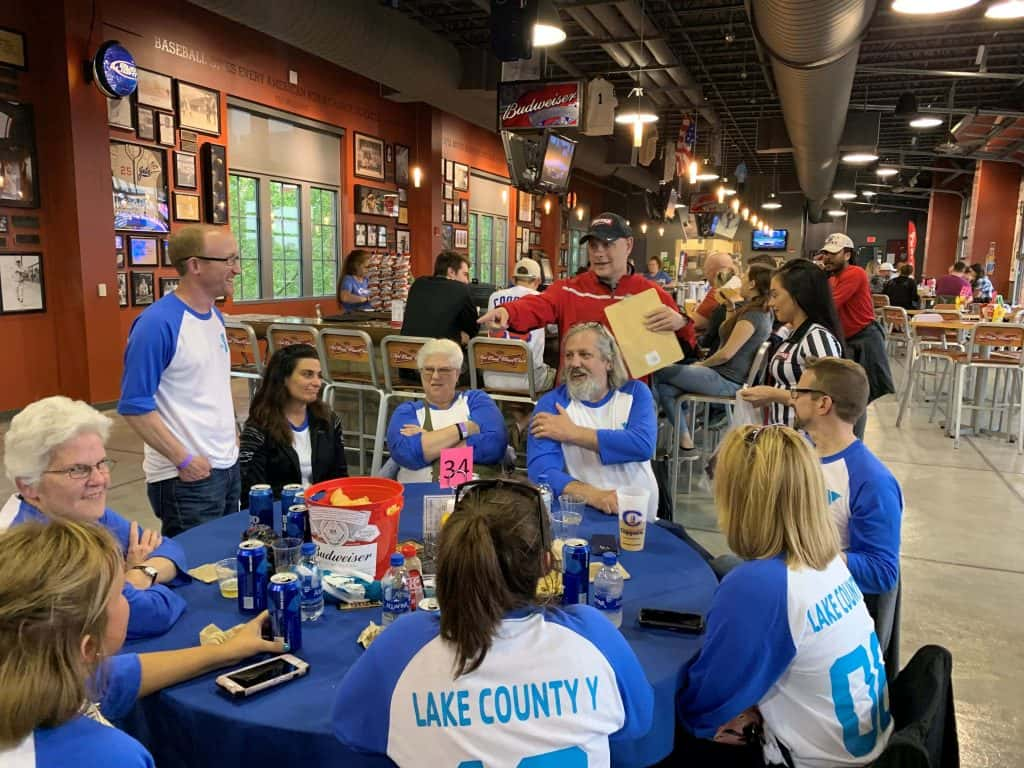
point(539, 105)
point(632, 519)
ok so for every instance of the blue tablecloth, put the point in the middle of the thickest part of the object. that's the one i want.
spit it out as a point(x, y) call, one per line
point(193, 724)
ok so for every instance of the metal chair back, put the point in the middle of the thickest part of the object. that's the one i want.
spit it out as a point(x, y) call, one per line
point(511, 356)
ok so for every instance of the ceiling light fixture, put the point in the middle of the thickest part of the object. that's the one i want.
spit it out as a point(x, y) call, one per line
point(548, 28)
point(417, 176)
point(547, 206)
point(729, 191)
point(694, 168)
point(579, 213)
point(707, 176)
point(753, 219)
point(661, 231)
point(844, 194)
point(745, 213)
point(886, 171)
point(931, 7)
point(868, 193)
point(859, 158)
point(836, 212)
point(643, 228)
point(735, 205)
point(638, 134)
point(1008, 9)
point(925, 121)
point(771, 205)
point(721, 194)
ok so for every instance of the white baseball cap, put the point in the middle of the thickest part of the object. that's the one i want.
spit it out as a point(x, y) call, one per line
point(887, 267)
point(835, 242)
point(527, 267)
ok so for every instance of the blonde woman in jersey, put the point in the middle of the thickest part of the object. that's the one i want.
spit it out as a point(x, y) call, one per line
point(788, 636)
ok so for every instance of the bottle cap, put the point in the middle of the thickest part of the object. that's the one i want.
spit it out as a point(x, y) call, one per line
point(309, 548)
point(609, 559)
point(409, 551)
point(397, 558)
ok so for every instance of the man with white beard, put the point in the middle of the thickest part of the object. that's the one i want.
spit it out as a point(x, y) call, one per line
point(596, 432)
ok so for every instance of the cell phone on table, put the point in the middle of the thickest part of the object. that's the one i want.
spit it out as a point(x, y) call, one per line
point(262, 675)
point(657, 618)
point(601, 543)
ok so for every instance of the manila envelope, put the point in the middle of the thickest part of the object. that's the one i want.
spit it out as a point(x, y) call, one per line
point(644, 351)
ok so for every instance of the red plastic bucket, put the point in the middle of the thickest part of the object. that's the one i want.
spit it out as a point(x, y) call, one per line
point(361, 537)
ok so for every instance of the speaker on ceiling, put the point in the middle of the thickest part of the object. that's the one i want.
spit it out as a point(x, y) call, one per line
point(512, 28)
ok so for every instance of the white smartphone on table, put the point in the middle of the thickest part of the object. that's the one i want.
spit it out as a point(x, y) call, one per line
point(262, 675)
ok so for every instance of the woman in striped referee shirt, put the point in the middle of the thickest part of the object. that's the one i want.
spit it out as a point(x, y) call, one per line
point(802, 300)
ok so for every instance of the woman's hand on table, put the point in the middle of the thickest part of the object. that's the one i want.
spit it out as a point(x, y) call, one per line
point(141, 544)
point(249, 640)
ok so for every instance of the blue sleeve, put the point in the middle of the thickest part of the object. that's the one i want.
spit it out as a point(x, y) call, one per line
point(362, 712)
point(118, 684)
point(634, 689)
point(490, 444)
point(747, 647)
point(876, 509)
point(407, 450)
point(350, 283)
point(544, 456)
point(169, 548)
point(151, 345)
point(152, 611)
point(636, 440)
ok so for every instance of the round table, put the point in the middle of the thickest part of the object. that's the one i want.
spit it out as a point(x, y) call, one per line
point(194, 724)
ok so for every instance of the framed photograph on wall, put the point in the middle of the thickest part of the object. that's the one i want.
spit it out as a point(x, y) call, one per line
point(186, 207)
point(139, 180)
point(165, 128)
point(142, 288)
point(448, 212)
point(462, 238)
point(361, 235)
point(464, 211)
point(185, 170)
point(119, 114)
point(169, 285)
point(368, 156)
point(382, 236)
point(154, 90)
point(449, 191)
point(12, 49)
point(525, 208)
point(461, 177)
point(122, 289)
point(536, 218)
point(144, 120)
point(402, 240)
point(401, 165)
point(403, 215)
point(403, 195)
point(165, 252)
point(215, 182)
point(19, 187)
point(373, 201)
point(447, 237)
point(198, 108)
point(449, 170)
point(21, 283)
point(119, 250)
point(143, 252)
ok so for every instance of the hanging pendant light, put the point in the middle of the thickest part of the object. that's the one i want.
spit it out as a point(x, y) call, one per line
point(547, 30)
point(637, 109)
point(745, 213)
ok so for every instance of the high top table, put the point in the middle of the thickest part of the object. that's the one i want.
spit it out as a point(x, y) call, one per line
point(195, 725)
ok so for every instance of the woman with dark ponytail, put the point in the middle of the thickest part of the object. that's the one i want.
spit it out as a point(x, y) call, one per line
point(497, 670)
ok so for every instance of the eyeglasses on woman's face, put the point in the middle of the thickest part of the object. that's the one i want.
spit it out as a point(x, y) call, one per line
point(84, 471)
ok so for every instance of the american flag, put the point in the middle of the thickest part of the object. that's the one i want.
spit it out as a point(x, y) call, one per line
point(684, 146)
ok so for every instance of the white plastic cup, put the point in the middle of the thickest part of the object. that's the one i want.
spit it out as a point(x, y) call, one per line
point(632, 518)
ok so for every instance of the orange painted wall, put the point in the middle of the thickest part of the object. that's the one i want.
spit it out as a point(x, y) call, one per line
point(942, 235)
point(994, 212)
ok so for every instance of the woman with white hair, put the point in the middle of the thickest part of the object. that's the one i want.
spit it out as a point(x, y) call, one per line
point(55, 454)
point(420, 430)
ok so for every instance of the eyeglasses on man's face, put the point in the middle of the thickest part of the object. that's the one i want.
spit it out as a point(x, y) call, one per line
point(84, 471)
point(228, 261)
point(795, 392)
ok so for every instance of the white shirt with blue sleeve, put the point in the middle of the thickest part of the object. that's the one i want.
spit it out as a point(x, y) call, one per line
point(88, 740)
point(867, 505)
point(800, 645)
point(627, 429)
point(557, 688)
point(178, 364)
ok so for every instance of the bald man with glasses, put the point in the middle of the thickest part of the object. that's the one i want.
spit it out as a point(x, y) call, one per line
point(176, 386)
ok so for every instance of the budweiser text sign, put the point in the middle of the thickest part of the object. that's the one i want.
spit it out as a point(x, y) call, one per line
point(540, 104)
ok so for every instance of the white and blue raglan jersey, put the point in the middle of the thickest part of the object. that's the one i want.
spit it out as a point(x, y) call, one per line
point(87, 740)
point(178, 364)
point(472, 405)
point(799, 644)
point(867, 504)
point(627, 429)
point(152, 611)
point(555, 688)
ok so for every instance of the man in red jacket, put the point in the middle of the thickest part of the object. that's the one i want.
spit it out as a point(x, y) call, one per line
point(583, 299)
point(865, 341)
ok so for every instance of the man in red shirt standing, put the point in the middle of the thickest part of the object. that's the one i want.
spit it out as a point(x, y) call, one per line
point(865, 341)
point(583, 299)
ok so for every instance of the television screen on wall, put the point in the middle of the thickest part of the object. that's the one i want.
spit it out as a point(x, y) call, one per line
point(776, 241)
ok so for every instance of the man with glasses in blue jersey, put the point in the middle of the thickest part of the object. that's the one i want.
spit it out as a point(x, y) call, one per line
point(176, 386)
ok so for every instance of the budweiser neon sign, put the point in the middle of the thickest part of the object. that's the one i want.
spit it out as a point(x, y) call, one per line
point(540, 104)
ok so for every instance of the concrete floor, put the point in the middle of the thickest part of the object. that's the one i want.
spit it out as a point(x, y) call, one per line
point(962, 557)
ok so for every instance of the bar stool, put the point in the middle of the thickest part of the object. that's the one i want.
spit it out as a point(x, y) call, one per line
point(398, 353)
point(246, 360)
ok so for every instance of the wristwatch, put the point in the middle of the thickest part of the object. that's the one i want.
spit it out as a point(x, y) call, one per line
point(149, 571)
point(463, 430)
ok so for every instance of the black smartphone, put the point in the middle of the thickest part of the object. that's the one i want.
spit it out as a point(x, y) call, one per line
point(688, 623)
point(601, 543)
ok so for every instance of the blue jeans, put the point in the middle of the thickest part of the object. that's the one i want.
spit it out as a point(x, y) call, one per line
point(181, 505)
point(675, 380)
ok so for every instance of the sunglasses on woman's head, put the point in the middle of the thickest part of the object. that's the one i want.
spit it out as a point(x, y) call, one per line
point(528, 492)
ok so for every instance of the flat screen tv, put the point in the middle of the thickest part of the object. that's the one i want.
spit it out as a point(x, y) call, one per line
point(523, 153)
point(776, 241)
point(557, 165)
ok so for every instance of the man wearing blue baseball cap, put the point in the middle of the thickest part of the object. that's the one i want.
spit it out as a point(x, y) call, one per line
point(583, 299)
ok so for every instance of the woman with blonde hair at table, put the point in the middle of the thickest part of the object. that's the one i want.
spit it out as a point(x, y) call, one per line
point(789, 646)
point(62, 621)
point(494, 637)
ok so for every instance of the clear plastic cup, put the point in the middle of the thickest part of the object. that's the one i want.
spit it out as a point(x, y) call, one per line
point(227, 577)
point(632, 518)
point(287, 552)
point(567, 517)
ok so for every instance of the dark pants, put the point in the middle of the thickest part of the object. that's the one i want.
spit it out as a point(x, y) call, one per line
point(181, 505)
point(691, 752)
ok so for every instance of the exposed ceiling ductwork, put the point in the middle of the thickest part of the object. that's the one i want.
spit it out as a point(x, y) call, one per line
point(812, 46)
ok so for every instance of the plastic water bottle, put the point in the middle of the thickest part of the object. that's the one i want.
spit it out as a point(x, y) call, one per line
point(311, 588)
point(608, 589)
point(546, 493)
point(414, 567)
point(395, 586)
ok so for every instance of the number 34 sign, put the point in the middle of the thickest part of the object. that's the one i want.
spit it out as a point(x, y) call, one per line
point(456, 466)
